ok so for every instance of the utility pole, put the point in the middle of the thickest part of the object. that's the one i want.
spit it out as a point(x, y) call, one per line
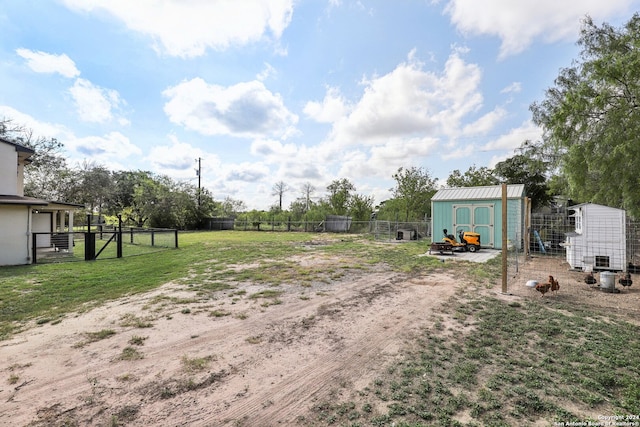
point(199, 173)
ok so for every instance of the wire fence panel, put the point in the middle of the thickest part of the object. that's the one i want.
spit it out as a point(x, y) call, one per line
point(72, 246)
point(563, 246)
point(381, 230)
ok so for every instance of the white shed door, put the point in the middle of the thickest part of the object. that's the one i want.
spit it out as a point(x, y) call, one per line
point(476, 218)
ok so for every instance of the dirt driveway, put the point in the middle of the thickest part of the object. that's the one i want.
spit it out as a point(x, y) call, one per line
point(164, 359)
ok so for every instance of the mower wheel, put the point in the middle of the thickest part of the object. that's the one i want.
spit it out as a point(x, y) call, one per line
point(472, 248)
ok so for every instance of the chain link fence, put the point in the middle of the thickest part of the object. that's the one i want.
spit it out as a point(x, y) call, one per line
point(381, 230)
point(559, 245)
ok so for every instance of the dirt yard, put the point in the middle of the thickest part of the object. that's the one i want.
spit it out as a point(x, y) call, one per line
point(164, 359)
point(573, 289)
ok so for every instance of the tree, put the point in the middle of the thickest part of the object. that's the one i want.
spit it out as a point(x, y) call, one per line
point(591, 117)
point(124, 185)
point(279, 188)
point(413, 191)
point(529, 167)
point(360, 207)
point(298, 208)
point(94, 186)
point(143, 201)
point(47, 176)
point(473, 177)
point(340, 195)
point(307, 191)
point(231, 207)
point(50, 180)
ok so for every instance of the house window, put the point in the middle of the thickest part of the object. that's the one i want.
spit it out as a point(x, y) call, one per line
point(579, 222)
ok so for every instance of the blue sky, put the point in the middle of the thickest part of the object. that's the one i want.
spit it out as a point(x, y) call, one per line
point(302, 91)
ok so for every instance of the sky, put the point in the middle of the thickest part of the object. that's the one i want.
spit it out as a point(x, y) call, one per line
point(293, 91)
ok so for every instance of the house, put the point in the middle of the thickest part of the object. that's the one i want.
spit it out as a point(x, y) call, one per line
point(599, 240)
point(22, 218)
point(479, 209)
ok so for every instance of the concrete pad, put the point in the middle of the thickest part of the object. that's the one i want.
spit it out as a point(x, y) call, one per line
point(483, 255)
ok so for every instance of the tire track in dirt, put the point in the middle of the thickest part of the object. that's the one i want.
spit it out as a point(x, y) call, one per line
point(309, 350)
point(375, 345)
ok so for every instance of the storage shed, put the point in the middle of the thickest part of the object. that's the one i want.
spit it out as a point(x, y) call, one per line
point(218, 223)
point(599, 240)
point(337, 223)
point(479, 209)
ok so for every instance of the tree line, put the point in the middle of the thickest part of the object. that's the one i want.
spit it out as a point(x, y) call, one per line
point(145, 199)
point(589, 151)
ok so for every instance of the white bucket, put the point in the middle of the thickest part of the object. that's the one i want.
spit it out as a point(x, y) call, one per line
point(607, 281)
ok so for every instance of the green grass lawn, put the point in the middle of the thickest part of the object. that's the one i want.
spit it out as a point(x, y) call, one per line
point(518, 366)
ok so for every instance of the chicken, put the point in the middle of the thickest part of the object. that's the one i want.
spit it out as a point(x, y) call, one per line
point(626, 280)
point(543, 288)
point(589, 279)
point(551, 285)
point(555, 286)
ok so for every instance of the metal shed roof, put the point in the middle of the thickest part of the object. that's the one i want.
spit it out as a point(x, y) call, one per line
point(514, 191)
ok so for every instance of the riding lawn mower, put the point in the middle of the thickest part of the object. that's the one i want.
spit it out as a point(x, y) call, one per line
point(469, 241)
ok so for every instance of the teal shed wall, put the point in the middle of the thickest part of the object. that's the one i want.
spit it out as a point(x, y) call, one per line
point(487, 219)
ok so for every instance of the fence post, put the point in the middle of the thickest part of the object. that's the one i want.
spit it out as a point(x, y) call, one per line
point(119, 238)
point(89, 242)
point(505, 251)
point(34, 249)
point(89, 246)
point(152, 238)
point(176, 237)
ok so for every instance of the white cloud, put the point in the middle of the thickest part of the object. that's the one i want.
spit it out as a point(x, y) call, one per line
point(94, 104)
point(515, 137)
point(402, 117)
point(246, 109)
point(39, 128)
point(108, 150)
point(302, 170)
point(407, 102)
point(179, 159)
point(519, 23)
point(331, 109)
point(515, 87)
point(103, 149)
point(465, 152)
point(42, 62)
point(272, 150)
point(486, 123)
point(383, 161)
point(266, 72)
point(188, 28)
point(247, 172)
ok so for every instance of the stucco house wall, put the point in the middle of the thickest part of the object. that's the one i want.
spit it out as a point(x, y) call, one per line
point(17, 211)
point(8, 171)
point(16, 245)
